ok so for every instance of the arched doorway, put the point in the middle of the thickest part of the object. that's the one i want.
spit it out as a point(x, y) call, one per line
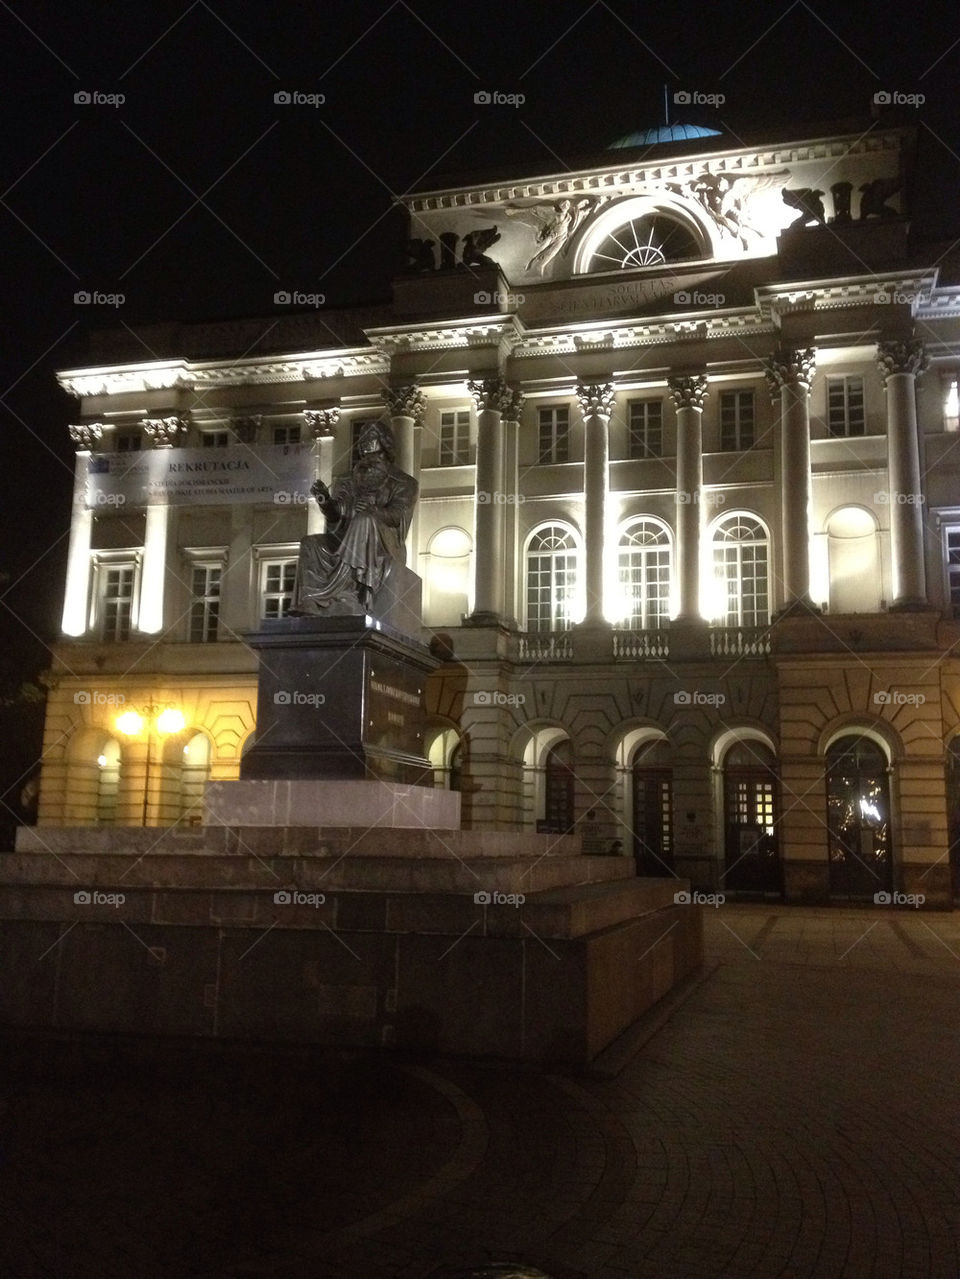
point(108, 782)
point(652, 779)
point(751, 811)
point(858, 819)
point(953, 813)
point(194, 775)
point(558, 790)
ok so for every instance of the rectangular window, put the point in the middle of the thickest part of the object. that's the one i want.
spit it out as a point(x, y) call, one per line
point(737, 429)
point(951, 401)
point(953, 567)
point(554, 434)
point(845, 414)
point(116, 601)
point(129, 442)
point(215, 439)
point(286, 435)
point(645, 427)
point(277, 578)
point(455, 438)
point(204, 603)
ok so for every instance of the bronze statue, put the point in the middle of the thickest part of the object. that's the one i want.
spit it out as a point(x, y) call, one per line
point(368, 513)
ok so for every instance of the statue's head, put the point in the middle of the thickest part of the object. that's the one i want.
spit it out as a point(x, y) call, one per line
point(376, 437)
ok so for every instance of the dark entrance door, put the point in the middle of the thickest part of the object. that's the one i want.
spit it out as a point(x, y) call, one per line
point(558, 787)
point(953, 814)
point(858, 820)
point(751, 815)
point(653, 810)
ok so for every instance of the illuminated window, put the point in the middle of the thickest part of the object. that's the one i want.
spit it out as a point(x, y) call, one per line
point(204, 602)
point(952, 536)
point(645, 428)
point(951, 401)
point(644, 570)
point(117, 583)
point(286, 435)
point(215, 439)
point(277, 579)
point(128, 442)
point(553, 438)
point(551, 579)
point(737, 426)
point(740, 567)
point(455, 438)
point(845, 415)
point(649, 240)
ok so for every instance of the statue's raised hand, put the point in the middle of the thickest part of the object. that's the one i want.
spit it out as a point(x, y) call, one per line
point(320, 491)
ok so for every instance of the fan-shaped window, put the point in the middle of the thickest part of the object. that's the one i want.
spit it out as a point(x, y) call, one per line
point(644, 556)
point(648, 240)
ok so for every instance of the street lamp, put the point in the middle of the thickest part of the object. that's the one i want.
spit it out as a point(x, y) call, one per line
point(167, 721)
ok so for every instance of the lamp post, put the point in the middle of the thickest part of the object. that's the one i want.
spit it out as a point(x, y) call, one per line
point(167, 720)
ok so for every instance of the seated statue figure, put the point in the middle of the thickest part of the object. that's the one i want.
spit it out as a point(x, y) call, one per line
point(368, 513)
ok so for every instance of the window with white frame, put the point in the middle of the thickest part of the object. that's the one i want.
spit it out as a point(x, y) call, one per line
point(952, 536)
point(277, 578)
point(644, 571)
point(553, 434)
point(214, 439)
point(645, 428)
point(116, 589)
point(204, 602)
point(741, 573)
point(845, 415)
point(737, 421)
point(286, 435)
point(551, 577)
point(455, 438)
point(950, 384)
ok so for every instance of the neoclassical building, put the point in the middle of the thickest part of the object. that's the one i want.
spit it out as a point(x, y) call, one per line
point(685, 424)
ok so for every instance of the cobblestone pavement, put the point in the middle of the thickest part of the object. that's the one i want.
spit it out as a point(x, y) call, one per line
point(797, 1114)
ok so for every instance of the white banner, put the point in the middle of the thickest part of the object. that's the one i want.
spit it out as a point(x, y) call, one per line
point(280, 474)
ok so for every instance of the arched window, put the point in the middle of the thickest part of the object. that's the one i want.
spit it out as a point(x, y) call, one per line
point(644, 572)
point(858, 818)
point(551, 579)
point(741, 572)
point(558, 790)
point(751, 817)
point(854, 550)
point(648, 240)
point(447, 577)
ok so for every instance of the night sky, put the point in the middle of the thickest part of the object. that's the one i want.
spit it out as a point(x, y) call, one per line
point(198, 197)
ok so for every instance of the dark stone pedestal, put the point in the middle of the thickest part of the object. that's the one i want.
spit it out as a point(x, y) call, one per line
point(339, 698)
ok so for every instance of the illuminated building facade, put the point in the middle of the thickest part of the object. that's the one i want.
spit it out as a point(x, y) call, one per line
point(685, 423)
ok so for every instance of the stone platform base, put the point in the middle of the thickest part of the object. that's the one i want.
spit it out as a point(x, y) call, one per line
point(459, 942)
point(314, 802)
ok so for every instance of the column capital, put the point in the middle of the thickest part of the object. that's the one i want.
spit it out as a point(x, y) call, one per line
point(321, 423)
point(246, 428)
point(596, 398)
point(688, 391)
point(790, 366)
point(163, 432)
point(901, 356)
point(490, 394)
point(85, 435)
point(512, 404)
point(405, 401)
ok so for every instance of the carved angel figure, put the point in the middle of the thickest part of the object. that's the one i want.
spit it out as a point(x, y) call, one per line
point(555, 225)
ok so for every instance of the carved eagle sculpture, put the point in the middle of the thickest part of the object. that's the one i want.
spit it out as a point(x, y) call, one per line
point(874, 196)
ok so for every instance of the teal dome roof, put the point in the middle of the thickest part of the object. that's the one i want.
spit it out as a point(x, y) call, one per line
point(664, 133)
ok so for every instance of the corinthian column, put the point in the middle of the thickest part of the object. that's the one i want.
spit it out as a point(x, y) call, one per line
point(596, 405)
point(76, 597)
point(322, 425)
point(406, 405)
point(789, 374)
point(900, 365)
point(689, 392)
point(492, 398)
